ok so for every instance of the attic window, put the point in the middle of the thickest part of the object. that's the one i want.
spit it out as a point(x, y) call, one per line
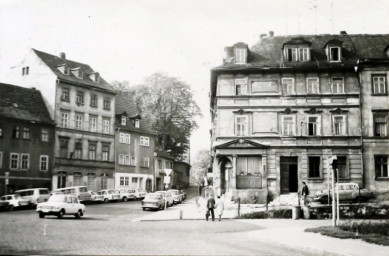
point(25, 71)
point(64, 69)
point(334, 53)
point(78, 73)
point(240, 55)
point(137, 123)
point(95, 76)
point(123, 120)
point(296, 54)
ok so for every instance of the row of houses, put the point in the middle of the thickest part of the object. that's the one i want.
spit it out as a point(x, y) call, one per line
point(281, 108)
point(64, 125)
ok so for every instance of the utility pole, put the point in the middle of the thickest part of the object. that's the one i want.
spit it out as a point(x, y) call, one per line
point(330, 162)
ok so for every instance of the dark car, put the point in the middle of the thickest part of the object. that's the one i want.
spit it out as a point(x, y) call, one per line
point(347, 192)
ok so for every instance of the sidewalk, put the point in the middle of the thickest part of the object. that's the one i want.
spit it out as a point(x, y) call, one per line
point(291, 233)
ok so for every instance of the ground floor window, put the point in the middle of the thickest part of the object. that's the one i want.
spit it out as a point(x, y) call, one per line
point(104, 181)
point(91, 181)
point(314, 166)
point(248, 165)
point(61, 183)
point(341, 165)
point(381, 166)
point(77, 179)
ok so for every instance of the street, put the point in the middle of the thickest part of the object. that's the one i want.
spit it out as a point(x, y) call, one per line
point(108, 229)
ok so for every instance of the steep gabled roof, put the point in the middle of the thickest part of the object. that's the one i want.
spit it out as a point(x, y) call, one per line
point(23, 104)
point(371, 46)
point(164, 154)
point(125, 104)
point(53, 62)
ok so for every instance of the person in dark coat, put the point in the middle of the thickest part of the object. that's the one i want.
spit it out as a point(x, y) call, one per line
point(304, 192)
point(210, 206)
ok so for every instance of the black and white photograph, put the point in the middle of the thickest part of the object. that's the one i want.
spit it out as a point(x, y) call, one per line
point(194, 127)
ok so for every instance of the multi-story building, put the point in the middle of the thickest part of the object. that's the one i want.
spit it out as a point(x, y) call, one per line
point(180, 175)
point(134, 146)
point(83, 105)
point(26, 139)
point(279, 111)
point(162, 161)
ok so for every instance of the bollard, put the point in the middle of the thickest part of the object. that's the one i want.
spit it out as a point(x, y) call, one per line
point(238, 206)
point(296, 212)
point(181, 214)
point(307, 212)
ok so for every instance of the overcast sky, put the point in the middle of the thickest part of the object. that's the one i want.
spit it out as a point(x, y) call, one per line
point(129, 40)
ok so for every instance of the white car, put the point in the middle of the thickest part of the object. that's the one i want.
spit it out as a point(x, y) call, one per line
point(140, 193)
point(96, 197)
point(15, 200)
point(178, 197)
point(109, 195)
point(125, 195)
point(60, 205)
point(167, 196)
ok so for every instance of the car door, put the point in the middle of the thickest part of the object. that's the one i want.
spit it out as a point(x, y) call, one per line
point(70, 205)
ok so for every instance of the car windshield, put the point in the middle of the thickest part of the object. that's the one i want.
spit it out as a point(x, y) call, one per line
point(174, 192)
point(17, 196)
point(57, 198)
point(153, 196)
point(93, 193)
point(111, 192)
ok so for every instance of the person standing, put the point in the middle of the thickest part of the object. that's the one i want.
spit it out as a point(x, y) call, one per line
point(304, 192)
point(219, 207)
point(210, 206)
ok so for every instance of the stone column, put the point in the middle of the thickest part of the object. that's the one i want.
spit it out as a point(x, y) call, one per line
point(216, 176)
point(233, 178)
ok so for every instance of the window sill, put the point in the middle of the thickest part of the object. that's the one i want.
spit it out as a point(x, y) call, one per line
point(107, 109)
point(382, 179)
point(316, 179)
point(379, 94)
point(93, 106)
point(65, 100)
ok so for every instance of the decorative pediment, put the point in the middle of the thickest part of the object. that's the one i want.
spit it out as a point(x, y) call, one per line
point(242, 112)
point(288, 111)
point(338, 111)
point(240, 143)
point(313, 111)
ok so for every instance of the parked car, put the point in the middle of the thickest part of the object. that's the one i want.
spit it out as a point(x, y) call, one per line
point(81, 192)
point(140, 193)
point(153, 201)
point(167, 196)
point(3, 205)
point(96, 197)
point(347, 192)
point(35, 195)
point(109, 195)
point(177, 196)
point(15, 200)
point(125, 195)
point(60, 205)
point(183, 195)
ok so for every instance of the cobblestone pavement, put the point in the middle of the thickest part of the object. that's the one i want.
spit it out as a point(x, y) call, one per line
point(108, 229)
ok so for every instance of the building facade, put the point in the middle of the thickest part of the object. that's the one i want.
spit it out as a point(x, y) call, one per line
point(83, 106)
point(162, 161)
point(181, 175)
point(134, 146)
point(281, 108)
point(26, 139)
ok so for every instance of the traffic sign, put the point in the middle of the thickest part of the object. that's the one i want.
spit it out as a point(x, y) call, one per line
point(166, 179)
point(168, 171)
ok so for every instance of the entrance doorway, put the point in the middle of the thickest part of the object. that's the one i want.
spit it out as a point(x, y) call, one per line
point(225, 166)
point(289, 174)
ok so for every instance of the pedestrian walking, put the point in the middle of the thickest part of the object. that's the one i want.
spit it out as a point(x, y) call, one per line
point(219, 207)
point(210, 206)
point(304, 192)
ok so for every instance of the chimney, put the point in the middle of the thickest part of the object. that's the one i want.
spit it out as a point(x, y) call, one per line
point(62, 55)
point(262, 36)
point(343, 33)
point(271, 34)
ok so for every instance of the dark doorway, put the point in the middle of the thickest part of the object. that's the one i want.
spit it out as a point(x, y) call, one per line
point(224, 166)
point(289, 175)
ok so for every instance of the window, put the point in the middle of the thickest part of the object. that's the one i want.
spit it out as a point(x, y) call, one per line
point(339, 125)
point(335, 54)
point(288, 125)
point(45, 135)
point(127, 160)
point(65, 119)
point(248, 165)
point(291, 54)
point(91, 181)
point(304, 54)
point(144, 141)
point(240, 55)
point(126, 181)
point(26, 133)
point(341, 165)
point(65, 94)
point(14, 162)
point(63, 147)
point(379, 84)
point(137, 123)
point(92, 151)
point(159, 164)
point(121, 181)
point(381, 166)
point(79, 121)
point(93, 123)
point(313, 125)
point(314, 166)
point(44, 163)
point(241, 125)
point(16, 132)
point(25, 165)
point(125, 138)
point(104, 181)
point(121, 159)
point(380, 125)
point(77, 150)
point(337, 85)
point(105, 152)
point(64, 69)
point(61, 179)
point(25, 71)
point(146, 162)
point(123, 120)
point(133, 160)
point(107, 103)
point(106, 126)
point(80, 98)
point(312, 85)
point(240, 86)
point(93, 100)
point(288, 85)
point(77, 179)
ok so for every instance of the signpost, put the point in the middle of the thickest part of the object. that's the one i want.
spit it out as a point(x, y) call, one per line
point(167, 180)
point(330, 162)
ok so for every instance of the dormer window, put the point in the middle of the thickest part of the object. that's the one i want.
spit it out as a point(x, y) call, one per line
point(95, 76)
point(240, 55)
point(64, 69)
point(296, 54)
point(334, 53)
point(123, 120)
point(137, 123)
point(78, 72)
point(334, 50)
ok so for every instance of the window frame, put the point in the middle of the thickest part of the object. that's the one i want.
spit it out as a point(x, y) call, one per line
point(318, 125)
point(344, 129)
point(21, 161)
point(79, 121)
point(121, 159)
point(45, 136)
point(288, 84)
point(377, 115)
point(240, 55)
point(123, 120)
point(283, 122)
point(92, 124)
point(146, 160)
point(47, 163)
point(385, 86)
point(106, 125)
point(16, 132)
point(103, 153)
point(65, 96)
point(107, 103)
point(144, 141)
point(77, 150)
point(93, 100)
point(383, 163)
point(246, 131)
point(320, 167)
point(67, 113)
point(17, 161)
point(26, 133)
point(317, 85)
point(342, 84)
point(347, 166)
point(80, 97)
point(331, 57)
point(243, 82)
point(94, 155)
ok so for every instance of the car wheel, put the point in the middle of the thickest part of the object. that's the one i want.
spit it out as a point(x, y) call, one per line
point(125, 199)
point(11, 207)
point(61, 214)
point(143, 208)
point(106, 200)
point(324, 200)
point(41, 215)
point(78, 214)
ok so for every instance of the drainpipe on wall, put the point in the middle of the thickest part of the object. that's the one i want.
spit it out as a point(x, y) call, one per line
point(361, 120)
